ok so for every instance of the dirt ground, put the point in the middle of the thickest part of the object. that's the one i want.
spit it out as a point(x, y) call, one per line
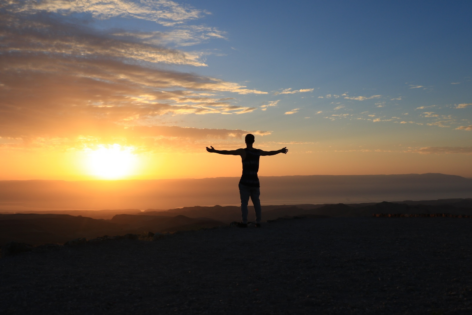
point(298, 266)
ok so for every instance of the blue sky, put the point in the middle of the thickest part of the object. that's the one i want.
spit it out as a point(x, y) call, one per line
point(322, 77)
point(413, 54)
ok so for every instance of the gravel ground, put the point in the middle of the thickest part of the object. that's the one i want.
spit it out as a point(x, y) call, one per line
point(298, 266)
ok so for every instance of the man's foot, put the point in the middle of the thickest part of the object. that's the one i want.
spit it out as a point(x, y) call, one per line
point(258, 225)
point(242, 225)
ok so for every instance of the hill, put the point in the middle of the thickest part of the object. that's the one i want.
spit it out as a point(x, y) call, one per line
point(37, 229)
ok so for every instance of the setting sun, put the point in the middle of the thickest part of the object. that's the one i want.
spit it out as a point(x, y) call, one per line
point(111, 162)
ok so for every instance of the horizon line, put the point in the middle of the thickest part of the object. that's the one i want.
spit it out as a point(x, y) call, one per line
point(188, 178)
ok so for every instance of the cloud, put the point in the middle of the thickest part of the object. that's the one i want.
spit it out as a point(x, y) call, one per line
point(330, 96)
point(467, 128)
point(143, 138)
point(333, 117)
point(463, 105)
point(445, 150)
point(455, 83)
point(396, 99)
point(380, 104)
point(164, 12)
point(430, 114)
point(439, 124)
point(63, 79)
point(97, 97)
point(185, 35)
point(293, 111)
point(339, 107)
point(361, 98)
point(290, 91)
point(192, 133)
point(424, 107)
point(319, 112)
point(415, 86)
point(271, 104)
point(409, 122)
point(46, 35)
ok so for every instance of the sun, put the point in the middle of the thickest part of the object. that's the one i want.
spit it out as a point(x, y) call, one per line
point(111, 161)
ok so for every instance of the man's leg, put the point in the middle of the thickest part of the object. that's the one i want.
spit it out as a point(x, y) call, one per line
point(255, 193)
point(244, 193)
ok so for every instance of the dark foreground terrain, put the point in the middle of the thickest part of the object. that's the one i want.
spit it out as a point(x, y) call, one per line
point(297, 266)
point(58, 228)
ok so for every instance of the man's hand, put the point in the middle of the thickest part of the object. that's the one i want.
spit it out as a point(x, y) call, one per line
point(211, 149)
point(284, 150)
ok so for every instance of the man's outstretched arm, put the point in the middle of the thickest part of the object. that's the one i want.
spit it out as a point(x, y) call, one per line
point(284, 151)
point(225, 152)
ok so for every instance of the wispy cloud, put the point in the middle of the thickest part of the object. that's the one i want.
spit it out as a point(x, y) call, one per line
point(446, 150)
point(63, 79)
point(270, 104)
point(290, 91)
point(412, 86)
point(439, 124)
point(424, 107)
point(463, 105)
point(293, 111)
point(194, 133)
point(330, 96)
point(361, 98)
point(467, 128)
point(185, 35)
point(403, 122)
point(164, 12)
point(42, 34)
point(380, 119)
point(455, 83)
point(430, 114)
point(339, 107)
point(396, 99)
point(334, 117)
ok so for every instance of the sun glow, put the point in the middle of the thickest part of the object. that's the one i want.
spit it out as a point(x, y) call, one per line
point(111, 162)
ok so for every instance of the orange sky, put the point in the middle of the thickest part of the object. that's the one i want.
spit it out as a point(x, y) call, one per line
point(137, 90)
point(75, 165)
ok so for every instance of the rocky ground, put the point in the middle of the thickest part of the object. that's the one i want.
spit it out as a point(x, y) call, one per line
point(298, 266)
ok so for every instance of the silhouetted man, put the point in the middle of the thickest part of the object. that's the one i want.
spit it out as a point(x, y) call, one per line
point(249, 183)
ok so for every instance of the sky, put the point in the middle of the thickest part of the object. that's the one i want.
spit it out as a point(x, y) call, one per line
point(116, 89)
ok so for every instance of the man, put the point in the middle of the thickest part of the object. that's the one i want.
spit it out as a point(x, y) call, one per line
point(249, 183)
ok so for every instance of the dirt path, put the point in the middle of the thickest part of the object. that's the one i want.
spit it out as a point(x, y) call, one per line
point(310, 266)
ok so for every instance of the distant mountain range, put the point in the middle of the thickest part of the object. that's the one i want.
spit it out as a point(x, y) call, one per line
point(38, 229)
point(164, 194)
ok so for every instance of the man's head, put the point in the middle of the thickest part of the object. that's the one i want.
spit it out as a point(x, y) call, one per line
point(249, 138)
